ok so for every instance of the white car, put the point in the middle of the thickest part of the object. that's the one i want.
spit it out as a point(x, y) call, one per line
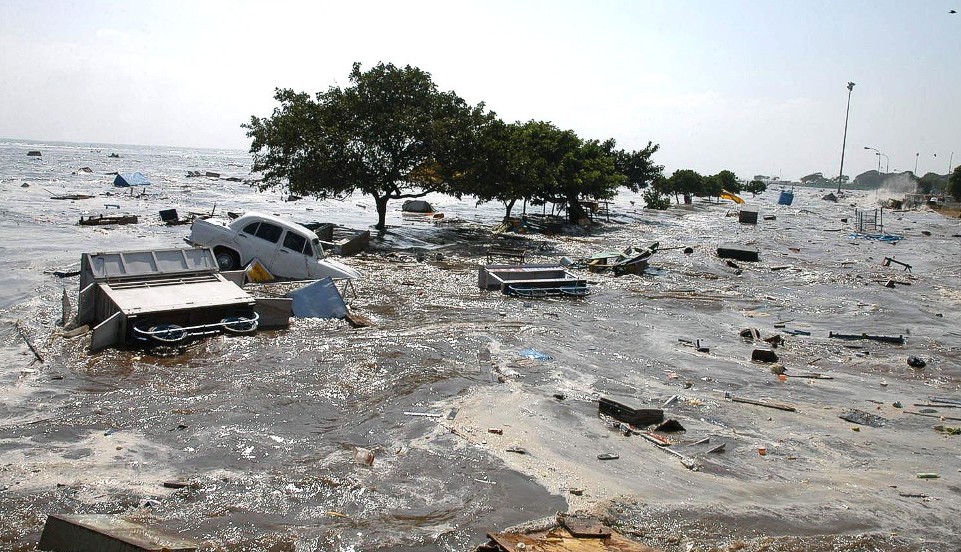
point(286, 249)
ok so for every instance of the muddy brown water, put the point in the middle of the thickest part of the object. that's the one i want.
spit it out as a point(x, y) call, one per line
point(272, 430)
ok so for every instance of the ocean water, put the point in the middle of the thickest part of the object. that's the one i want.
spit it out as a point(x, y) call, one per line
point(274, 432)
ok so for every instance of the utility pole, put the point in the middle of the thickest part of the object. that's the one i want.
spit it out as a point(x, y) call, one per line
point(844, 142)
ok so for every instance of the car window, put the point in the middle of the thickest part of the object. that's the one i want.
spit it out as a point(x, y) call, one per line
point(296, 242)
point(251, 228)
point(269, 232)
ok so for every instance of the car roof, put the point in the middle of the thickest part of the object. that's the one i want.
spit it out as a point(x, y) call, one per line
point(257, 215)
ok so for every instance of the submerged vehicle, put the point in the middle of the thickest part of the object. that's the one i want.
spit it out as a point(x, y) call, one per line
point(286, 249)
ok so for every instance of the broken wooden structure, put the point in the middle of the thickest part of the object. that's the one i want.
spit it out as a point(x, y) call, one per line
point(340, 240)
point(515, 254)
point(565, 533)
point(98, 533)
point(898, 340)
point(625, 410)
point(102, 220)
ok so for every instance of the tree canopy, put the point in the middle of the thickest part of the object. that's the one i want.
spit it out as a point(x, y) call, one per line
point(391, 134)
point(954, 183)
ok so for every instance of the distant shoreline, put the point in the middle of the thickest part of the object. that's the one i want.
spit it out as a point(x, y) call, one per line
point(35, 142)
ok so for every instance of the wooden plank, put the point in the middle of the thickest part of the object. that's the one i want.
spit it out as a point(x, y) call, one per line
point(765, 404)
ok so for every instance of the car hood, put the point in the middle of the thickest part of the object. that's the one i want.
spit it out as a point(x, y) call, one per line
point(335, 269)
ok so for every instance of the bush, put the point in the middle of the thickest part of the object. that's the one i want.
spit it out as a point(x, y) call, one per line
point(656, 200)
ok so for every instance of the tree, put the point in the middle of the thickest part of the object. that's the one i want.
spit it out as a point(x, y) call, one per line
point(684, 181)
point(636, 166)
point(515, 161)
point(933, 183)
point(391, 134)
point(954, 183)
point(728, 181)
point(654, 199)
point(755, 187)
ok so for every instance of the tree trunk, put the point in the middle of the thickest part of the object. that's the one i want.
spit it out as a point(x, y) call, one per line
point(509, 205)
point(575, 213)
point(381, 203)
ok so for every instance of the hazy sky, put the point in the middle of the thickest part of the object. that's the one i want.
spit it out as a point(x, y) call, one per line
point(758, 87)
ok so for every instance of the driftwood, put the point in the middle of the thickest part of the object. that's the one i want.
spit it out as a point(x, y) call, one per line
point(882, 338)
point(29, 344)
point(953, 419)
point(778, 406)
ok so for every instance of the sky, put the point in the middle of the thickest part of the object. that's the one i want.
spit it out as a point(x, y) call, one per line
point(756, 87)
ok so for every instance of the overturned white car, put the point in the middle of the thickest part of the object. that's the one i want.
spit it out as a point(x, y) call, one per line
point(286, 249)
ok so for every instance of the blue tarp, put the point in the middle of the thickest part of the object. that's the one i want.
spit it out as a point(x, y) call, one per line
point(786, 197)
point(320, 299)
point(132, 179)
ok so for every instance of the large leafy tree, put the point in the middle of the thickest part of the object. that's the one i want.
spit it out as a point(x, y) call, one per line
point(569, 168)
point(755, 187)
point(728, 181)
point(683, 182)
point(636, 166)
point(507, 166)
point(391, 134)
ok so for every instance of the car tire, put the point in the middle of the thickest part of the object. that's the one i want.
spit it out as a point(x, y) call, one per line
point(226, 259)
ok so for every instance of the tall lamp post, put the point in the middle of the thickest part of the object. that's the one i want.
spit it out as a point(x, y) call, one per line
point(844, 142)
point(877, 153)
point(887, 160)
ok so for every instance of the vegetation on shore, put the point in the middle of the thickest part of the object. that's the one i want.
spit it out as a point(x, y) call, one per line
point(392, 134)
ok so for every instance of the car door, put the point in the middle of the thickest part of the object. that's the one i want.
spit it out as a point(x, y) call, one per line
point(294, 254)
point(260, 240)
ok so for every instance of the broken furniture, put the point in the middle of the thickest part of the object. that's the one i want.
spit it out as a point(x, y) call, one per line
point(532, 280)
point(888, 261)
point(515, 254)
point(162, 296)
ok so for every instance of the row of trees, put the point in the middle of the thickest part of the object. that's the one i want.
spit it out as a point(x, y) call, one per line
point(686, 182)
point(392, 134)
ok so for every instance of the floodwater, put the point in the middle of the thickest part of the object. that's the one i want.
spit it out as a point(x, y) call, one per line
point(273, 432)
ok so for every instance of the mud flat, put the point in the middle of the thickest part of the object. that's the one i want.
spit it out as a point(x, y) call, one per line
point(274, 433)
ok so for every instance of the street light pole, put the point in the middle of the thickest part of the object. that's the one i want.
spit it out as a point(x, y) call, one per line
point(916, 155)
point(844, 142)
point(877, 154)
